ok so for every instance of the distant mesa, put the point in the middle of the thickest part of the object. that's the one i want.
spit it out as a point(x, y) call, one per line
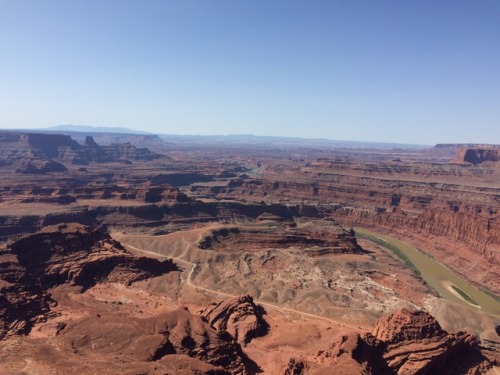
point(107, 136)
point(450, 152)
point(37, 153)
point(477, 155)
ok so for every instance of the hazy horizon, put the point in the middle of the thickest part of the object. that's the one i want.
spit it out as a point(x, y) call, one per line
point(392, 72)
point(124, 130)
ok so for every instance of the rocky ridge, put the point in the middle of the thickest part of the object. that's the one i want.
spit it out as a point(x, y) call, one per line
point(405, 342)
point(71, 254)
point(315, 237)
point(39, 271)
point(177, 339)
point(239, 316)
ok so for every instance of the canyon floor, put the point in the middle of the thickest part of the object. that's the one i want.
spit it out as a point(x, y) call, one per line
point(221, 258)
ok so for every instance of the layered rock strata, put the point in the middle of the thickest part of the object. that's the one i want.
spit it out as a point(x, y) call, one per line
point(62, 254)
point(43, 153)
point(478, 155)
point(315, 237)
point(452, 210)
point(239, 316)
point(403, 343)
point(177, 339)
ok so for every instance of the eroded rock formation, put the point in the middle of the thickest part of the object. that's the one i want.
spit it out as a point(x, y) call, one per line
point(177, 338)
point(60, 254)
point(36, 153)
point(316, 237)
point(239, 316)
point(477, 155)
point(405, 342)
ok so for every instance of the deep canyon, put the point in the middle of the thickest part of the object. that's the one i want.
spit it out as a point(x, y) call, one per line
point(156, 257)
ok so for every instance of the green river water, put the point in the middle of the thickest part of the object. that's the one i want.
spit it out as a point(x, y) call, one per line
point(436, 275)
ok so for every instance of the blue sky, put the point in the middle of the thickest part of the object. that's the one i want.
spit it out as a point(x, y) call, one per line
point(393, 71)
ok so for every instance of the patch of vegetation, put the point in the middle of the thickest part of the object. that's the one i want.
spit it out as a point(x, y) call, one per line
point(491, 294)
point(464, 295)
point(430, 256)
point(394, 249)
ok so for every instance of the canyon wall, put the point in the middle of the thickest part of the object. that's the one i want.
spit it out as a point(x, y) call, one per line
point(449, 211)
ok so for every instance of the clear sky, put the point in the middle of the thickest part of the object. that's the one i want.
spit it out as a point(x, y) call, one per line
point(393, 71)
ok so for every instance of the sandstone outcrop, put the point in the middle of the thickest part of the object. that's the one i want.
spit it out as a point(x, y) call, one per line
point(477, 155)
point(316, 237)
point(178, 339)
point(239, 316)
point(155, 194)
point(295, 367)
point(59, 254)
point(407, 326)
point(403, 343)
point(37, 166)
point(191, 335)
point(415, 343)
point(38, 271)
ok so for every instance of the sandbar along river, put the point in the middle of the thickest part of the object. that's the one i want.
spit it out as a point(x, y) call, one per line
point(444, 281)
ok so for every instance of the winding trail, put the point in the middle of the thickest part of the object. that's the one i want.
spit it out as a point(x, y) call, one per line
point(219, 293)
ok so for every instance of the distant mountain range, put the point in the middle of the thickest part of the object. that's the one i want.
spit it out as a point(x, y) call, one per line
point(94, 129)
point(237, 139)
point(107, 135)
